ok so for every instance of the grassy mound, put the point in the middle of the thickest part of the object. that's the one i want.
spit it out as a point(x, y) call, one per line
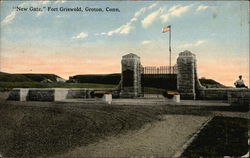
point(42, 77)
point(210, 83)
point(97, 78)
point(223, 136)
point(6, 77)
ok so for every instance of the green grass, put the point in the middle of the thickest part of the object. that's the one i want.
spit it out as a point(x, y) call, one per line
point(150, 90)
point(10, 85)
point(80, 85)
point(223, 136)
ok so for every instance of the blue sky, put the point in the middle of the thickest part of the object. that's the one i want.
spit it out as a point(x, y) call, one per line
point(216, 31)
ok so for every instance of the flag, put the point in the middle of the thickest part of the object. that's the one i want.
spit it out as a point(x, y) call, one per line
point(166, 29)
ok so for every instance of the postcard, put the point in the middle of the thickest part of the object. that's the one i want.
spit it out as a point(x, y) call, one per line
point(124, 78)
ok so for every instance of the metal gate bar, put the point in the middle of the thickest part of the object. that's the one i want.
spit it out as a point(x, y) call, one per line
point(155, 80)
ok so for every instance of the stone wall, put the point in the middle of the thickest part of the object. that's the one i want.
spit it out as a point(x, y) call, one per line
point(239, 97)
point(15, 95)
point(39, 94)
point(220, 93)
point(86, 92)
point(54, 94)
point(234, 96)
point(213, 94)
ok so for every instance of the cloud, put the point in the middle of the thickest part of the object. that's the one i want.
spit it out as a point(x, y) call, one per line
point(60, 1)
point(199, 42)
point(174, 11)
point(173, 8)
point(61, 16)
point(152, 6)
point(146, 42)
point(81, 35)
point(45, 2)
point(177, 10)
point(142, 10)
point(40, 13)
point(9, 18)
point(127, 27)
point(201, 8)
point(150, 18)
point(133, 19)
point(124, 29)
point(165, 17)
point(194, 44)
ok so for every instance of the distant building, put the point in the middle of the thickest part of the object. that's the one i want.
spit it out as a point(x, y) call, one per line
point(47, 81)
point(59, 79)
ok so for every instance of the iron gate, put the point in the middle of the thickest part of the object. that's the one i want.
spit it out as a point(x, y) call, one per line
point(156, 80)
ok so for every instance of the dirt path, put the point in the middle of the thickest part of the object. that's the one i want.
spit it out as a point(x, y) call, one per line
point(161, 139)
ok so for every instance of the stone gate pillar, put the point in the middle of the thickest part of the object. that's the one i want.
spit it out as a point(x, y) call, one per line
point(186, 65)
point(131, 76)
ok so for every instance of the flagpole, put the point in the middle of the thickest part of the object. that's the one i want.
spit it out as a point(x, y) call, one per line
point(170, 49)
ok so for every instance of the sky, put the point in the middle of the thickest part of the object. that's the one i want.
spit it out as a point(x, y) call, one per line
point(71, 43)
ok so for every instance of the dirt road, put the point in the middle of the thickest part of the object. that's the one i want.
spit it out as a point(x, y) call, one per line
point(161, 139)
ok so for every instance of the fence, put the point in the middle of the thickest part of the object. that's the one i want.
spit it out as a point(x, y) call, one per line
point(156, 80)
point(163, 70)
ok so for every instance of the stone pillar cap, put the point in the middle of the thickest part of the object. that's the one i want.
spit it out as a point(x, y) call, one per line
point(186, 53)
point(130, 55)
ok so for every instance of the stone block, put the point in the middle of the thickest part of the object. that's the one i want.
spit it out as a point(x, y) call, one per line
point(60, 94)
point(45, 94)
point(23, 94)
point(14, 95)
point(78, 93)
point(107, 98)
point(18, 94)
